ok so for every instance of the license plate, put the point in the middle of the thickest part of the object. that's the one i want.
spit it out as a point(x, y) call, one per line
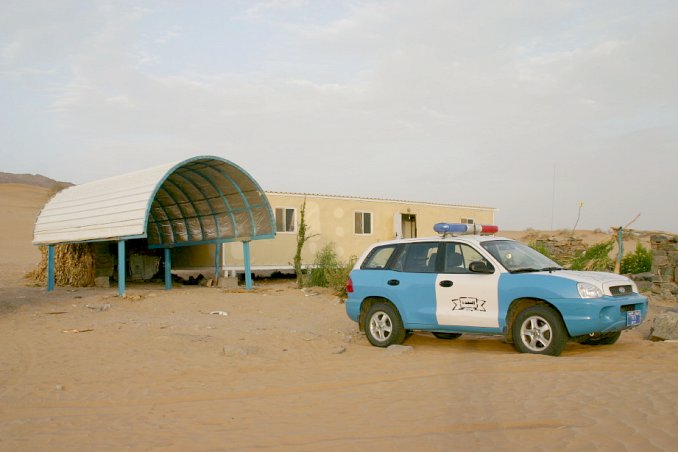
point(632, 318)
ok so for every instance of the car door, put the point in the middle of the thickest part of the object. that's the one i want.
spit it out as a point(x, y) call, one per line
point(465, 298)
point(412, 283)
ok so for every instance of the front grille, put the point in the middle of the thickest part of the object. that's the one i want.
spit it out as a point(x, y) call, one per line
point(628, 307)
point(618, 291)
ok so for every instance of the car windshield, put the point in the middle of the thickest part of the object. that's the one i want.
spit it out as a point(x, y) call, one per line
point(517, 257)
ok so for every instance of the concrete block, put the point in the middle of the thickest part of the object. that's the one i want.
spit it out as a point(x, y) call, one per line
point(102, 281)
point(227, 283)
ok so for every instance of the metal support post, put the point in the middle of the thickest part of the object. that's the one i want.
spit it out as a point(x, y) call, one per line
point(168, 269)
point(121, 268)
point(50, 268)
point(217, 262)
point(248, 266)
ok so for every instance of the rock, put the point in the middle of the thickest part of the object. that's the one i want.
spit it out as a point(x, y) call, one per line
point(238, 350)
point(399, 349)
point(647, 276)
point(338, 350)
point(656, 239)
point(99, 307)
point(102, 281)
point(665, 327)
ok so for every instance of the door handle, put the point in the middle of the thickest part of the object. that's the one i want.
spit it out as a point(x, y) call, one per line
point(393, 282)
point(446, 283)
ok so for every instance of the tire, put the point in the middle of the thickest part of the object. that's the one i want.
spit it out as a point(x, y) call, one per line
point(602, 338)
point(539, 330)
point(446, 336)
point(383, 325)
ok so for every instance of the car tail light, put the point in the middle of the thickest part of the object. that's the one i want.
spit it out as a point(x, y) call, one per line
point(349, 286)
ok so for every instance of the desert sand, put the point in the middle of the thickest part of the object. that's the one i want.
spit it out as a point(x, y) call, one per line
point(285, 369)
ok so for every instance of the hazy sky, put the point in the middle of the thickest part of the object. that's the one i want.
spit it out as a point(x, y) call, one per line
point(527, 106)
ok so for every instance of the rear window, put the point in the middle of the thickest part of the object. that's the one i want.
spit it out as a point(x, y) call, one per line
point(378, 258)
point(417, 258)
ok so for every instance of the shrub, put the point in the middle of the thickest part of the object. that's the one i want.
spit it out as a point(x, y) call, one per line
point(596, 258)
point(329, 271)
point(639, 261)
point(540, 247)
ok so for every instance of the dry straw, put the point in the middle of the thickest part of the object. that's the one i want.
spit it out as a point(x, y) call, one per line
point(73, 265)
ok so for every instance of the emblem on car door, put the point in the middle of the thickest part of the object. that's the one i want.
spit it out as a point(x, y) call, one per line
point(468, 304)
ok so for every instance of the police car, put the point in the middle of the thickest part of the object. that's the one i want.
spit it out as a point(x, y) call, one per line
point(457, 283)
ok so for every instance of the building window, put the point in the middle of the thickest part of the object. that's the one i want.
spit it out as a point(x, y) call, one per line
point(363, 223)
point(468, 220)
point(284, 219)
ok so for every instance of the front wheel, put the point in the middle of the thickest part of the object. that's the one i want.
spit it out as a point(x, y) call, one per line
point(383, 325)
point(539, 330)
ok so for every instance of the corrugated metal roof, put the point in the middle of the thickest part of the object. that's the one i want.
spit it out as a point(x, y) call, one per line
point(199, 200)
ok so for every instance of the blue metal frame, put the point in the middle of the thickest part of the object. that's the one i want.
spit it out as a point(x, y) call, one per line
point(50, 268)
point(248, 208)
point(207, 200)
point(209, 242)
point(121, 268)
point(248, 267)
point(168, 269)
point(181, 210)
point(217, 260)
point(216, 188)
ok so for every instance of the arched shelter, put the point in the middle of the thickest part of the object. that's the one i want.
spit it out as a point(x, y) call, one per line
point(202, 200)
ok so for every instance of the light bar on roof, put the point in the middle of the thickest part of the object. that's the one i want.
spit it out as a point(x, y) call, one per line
point(462, 228)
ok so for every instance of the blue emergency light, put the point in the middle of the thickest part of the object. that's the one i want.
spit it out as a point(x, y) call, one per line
point(462, 228)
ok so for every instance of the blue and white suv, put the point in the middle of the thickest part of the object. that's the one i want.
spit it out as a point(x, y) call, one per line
point(456, 284)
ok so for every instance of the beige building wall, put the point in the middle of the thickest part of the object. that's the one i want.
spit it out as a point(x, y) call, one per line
point(331, 219)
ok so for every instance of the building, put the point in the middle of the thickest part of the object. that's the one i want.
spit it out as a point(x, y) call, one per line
point(349, 223)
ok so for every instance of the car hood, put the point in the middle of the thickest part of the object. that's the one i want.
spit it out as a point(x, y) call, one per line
point(595, 278)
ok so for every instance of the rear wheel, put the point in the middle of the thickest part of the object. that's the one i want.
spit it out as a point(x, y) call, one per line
point(602, 338)
point(539, 330)
point(446, 336)
point(383, 325)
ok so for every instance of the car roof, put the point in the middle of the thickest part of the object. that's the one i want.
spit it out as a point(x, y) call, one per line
point(448, 238)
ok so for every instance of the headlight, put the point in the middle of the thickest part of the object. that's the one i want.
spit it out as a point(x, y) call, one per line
point(587, 290)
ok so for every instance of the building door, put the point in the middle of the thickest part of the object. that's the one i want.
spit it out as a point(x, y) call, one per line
point(409, 225)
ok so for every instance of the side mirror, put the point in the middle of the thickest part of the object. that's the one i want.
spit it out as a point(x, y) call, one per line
point(480, 267)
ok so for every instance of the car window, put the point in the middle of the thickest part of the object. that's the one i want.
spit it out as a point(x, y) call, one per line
point(379, 257)
point(417, 258)
point(458, 258)
point(516, 256)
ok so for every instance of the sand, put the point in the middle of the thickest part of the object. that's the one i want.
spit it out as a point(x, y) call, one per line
point(285, 369)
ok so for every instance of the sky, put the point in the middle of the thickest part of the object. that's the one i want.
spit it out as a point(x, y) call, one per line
point(547, 111)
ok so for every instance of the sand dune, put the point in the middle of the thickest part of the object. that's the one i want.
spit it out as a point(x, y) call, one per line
point(287, 370)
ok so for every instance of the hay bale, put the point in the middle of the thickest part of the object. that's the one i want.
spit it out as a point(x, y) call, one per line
point(73, 265)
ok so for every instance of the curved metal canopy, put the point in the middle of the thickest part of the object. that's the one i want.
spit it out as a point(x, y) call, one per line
point(204, 199)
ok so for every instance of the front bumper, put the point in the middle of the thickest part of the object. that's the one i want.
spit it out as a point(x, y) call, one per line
point(600, 315)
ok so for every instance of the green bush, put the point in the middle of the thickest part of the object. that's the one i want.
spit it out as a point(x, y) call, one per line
point(329, 271)
point(596, 258)
point(639, 261)
point(540, 247)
